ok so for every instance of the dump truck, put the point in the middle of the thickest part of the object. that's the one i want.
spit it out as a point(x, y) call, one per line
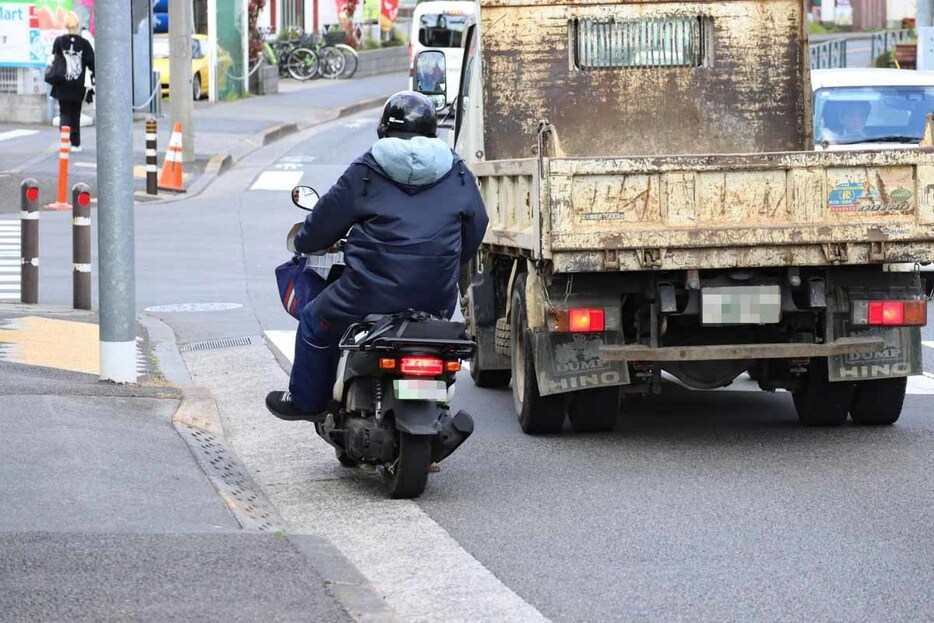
point(657, 211)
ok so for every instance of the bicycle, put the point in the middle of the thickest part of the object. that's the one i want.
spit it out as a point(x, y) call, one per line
point(351, 60)
point(292, 58)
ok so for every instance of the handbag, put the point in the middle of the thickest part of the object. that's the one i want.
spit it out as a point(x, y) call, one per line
point(298, 284)
point(55, 72)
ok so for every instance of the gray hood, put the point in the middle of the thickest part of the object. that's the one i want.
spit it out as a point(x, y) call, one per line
point(418, 161)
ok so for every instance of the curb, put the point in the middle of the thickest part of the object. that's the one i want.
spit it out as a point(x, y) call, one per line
point(220, 163)
point(197, 421)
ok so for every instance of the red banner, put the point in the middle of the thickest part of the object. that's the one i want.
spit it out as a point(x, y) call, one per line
point(388, 11)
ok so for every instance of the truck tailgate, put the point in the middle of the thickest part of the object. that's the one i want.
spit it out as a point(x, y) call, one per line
point(797, 208)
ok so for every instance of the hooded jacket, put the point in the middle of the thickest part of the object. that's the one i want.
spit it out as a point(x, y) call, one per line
point(416, 214)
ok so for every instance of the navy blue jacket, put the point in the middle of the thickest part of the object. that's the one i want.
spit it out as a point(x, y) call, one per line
point(407, 243)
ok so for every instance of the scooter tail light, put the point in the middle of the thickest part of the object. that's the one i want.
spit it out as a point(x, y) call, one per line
point(387, 364)
point(421, 366)
point(452, 366)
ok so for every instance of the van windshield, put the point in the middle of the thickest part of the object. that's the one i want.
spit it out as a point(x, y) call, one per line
point(850, 115)
point(441, 30)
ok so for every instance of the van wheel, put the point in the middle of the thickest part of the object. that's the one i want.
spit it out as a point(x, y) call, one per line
point(594, 410)
point(407, 477)
point(820, 402)
point(878, 402)
point(537, 414)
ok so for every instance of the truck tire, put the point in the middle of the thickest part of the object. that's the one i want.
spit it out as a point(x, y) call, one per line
point(594, 410)
point(878, 402)
point(488, 379)
point(537, 414)
point(820, 402)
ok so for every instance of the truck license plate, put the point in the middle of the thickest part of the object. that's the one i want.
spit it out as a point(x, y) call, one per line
point(741, 305)
point(418, 389)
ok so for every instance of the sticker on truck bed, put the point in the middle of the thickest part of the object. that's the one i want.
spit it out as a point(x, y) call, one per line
point(868, 192)
point(901, 356)
point(569, 362)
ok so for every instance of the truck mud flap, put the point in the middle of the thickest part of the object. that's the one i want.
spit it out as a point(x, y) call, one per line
point(901, 356)
point(567, 362)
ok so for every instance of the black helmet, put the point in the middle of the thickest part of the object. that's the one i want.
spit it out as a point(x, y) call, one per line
point(407, 114)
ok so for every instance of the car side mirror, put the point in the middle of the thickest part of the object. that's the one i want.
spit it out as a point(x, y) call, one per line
point(431, 77)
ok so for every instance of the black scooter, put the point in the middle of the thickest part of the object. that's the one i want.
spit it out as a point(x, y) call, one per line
point(391, 402)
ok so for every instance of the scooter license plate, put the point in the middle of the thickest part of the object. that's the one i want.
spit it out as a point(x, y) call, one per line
point(420, 389)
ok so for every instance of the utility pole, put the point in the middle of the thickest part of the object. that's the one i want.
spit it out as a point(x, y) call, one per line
point(117, 278)
point(180, 85)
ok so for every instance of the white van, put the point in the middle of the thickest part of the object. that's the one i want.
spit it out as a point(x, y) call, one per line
point(439, 25)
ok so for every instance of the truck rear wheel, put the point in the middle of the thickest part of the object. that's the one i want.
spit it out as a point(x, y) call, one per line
point(820, 402)
point(488, 379)
point(537, 414)
point(878, 402)
point(594, 410)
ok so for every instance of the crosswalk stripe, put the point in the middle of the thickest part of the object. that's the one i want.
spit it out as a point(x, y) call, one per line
point(277, 180)
point(5, 136)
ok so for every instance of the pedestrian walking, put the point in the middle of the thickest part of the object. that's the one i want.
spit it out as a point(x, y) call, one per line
point(70, 90)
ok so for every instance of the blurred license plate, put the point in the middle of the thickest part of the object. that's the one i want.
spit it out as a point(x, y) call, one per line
point(741, 305)
point(412, 389)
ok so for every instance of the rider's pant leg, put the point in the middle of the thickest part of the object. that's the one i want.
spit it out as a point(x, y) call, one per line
point(315, 365)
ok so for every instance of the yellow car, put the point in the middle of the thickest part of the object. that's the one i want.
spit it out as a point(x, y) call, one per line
point(200, 63)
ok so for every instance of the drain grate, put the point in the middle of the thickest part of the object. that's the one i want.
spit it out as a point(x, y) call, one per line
point(229, 342)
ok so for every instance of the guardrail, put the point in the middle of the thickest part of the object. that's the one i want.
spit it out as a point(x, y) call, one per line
point(885, 40)
point(828, 54)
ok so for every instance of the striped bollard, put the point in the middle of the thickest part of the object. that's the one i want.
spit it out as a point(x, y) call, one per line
point(81, 246)
point(29, 241)
point(64, 150)
point(152, 162)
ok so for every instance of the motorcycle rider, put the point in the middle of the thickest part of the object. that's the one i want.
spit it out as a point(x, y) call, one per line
point(417, 216)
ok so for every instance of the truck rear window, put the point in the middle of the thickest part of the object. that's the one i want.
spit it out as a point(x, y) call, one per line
point(651, 42)
point(441, 30)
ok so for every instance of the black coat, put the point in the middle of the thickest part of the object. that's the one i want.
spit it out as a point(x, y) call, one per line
point(79, 58)
point(407, 244)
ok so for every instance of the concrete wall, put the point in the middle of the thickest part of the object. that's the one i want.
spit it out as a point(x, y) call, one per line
point(383, 61)
point(23, 108)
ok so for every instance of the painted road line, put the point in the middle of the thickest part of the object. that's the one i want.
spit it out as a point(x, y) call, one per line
point(277, 180)
point(284, 342)
point(928, 344)
point(6, 136)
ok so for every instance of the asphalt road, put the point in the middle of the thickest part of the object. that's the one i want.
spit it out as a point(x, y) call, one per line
point(700, 507)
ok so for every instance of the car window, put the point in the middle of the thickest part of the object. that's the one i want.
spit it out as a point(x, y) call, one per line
point(196, 49)
point(845, 115)
point(441, 30)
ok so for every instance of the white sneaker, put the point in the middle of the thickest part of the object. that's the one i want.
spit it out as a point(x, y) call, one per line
point(75, 149)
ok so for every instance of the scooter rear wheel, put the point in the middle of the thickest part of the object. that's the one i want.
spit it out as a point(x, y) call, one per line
point(408, 476)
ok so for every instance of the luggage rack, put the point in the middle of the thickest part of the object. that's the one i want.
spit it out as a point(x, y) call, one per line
point(382, 341)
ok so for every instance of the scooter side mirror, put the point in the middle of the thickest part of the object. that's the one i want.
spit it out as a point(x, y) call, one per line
point(305, 197)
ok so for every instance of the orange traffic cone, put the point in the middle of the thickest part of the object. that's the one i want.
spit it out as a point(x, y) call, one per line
point(171, 176)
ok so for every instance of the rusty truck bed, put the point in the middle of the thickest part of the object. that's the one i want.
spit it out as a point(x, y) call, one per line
point(720, 211)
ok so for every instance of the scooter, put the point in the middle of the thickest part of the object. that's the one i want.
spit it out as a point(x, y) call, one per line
point(395, 381)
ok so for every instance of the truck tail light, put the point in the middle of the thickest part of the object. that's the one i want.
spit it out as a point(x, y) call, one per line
point(581, 320)
point(890, 313)
point(421, 366)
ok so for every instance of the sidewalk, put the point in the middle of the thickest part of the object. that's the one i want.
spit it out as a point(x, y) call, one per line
point(124, 502)
point(224, 133)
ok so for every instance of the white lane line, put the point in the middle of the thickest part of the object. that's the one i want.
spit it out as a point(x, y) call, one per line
point(277, 180)
point(411, 561)
point(928, 344)
point(284, 342)
point(6, 136)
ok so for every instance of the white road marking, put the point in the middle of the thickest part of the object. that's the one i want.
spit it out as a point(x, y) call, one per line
point(10, 265)
point(86, 165)
point(284, 342)
point(5, 136)
point(277, 180)
point(418, 568)
point(928, 344)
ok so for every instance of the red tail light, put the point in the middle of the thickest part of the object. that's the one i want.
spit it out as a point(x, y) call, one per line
point(421, 366)
point(580, 320)
point(890, 313)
